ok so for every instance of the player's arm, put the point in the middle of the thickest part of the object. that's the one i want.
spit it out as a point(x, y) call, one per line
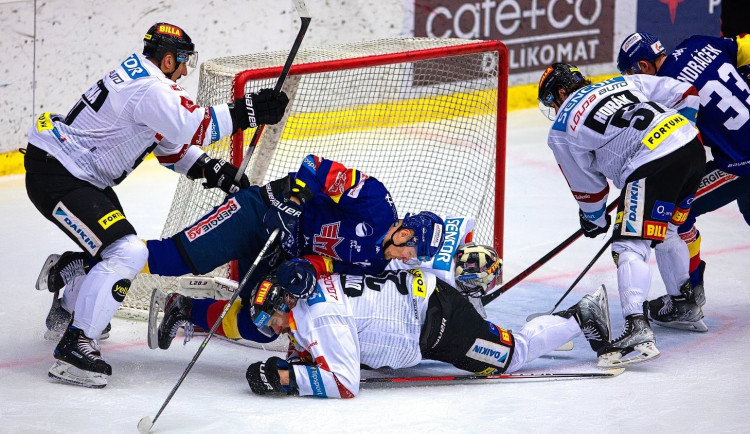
point(336, 369)
point(192, 162)
point(333, 370)
point(170, 111)
point(327, 177)
point(672, 93)
point(589, 188)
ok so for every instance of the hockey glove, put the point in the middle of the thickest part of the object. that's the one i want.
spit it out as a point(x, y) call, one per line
point(284, 214)
point(298, 277)
point(218, 173)
point(591, 229)
point(264, 378)
point(264, 107)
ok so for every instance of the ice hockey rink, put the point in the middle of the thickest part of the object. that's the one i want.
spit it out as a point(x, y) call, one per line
point(700, 384)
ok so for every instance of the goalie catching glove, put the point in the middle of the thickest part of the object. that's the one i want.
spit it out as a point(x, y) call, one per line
point(218, 173)
point(263, 377)
point(264, 107)
point(591, 229)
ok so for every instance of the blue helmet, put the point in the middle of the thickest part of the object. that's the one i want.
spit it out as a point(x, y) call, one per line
point(428, 233)
point(638, 46)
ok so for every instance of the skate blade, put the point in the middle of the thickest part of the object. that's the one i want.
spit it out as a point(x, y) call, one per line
point(646, 351)
point(601, 295)
point(41, 281)
point(69, 374)
point(693, 326)
point(565, 347)
point(158, 299)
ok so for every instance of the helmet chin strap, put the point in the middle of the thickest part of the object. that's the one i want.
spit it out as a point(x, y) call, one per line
point(389, 242)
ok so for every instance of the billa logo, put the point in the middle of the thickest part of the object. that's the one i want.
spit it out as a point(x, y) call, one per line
point(262, 291)
point(170, 30)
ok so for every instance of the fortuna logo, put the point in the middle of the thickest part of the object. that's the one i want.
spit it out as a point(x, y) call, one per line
point(325, 243)
point(213, 220)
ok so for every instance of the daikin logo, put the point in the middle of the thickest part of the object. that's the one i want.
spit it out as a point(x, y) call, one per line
point(80, 231)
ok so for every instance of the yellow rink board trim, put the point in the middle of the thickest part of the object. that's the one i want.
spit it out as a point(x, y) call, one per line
point(376, 115)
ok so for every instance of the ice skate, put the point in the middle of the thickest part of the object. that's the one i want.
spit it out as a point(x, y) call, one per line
point(79, 361)
point(637, 336)
point(58, 320)
point(682, 311)
point(176, 314)
point(592, 315)
point(59, 270)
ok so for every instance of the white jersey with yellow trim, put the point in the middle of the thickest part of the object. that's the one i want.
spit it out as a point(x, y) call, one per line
point(134, 110)
point(358, 320)
point(608, 129)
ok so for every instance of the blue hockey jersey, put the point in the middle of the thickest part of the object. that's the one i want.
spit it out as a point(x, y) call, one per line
point(710, 64)
point(343, 225)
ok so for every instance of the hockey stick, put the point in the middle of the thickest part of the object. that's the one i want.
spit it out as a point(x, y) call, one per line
point(536, 265)
point(411, 381)
point(304, 16)
point(146, 423)
point(578, 279)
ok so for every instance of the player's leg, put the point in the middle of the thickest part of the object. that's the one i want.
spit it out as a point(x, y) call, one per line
point(717, 188)
point(681, 306)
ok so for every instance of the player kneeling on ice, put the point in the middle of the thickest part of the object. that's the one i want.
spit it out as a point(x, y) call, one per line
point(651, 151)
point(396, 320)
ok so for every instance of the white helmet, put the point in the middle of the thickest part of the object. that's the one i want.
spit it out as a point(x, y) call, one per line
point(478, 269)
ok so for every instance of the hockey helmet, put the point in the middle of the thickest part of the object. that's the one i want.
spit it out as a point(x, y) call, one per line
point(478, 269)
point(163, 38)
point(267, 298)
point(557, 76)
point(636, 47)
point(428, 233)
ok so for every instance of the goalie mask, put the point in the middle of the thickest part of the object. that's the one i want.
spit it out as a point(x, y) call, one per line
point(163, 38)
point(478, 269)
point(268, 297)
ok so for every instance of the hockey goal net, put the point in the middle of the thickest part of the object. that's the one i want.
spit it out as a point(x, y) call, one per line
point(425, 116)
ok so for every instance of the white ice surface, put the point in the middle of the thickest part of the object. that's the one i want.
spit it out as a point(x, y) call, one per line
point(700, 384)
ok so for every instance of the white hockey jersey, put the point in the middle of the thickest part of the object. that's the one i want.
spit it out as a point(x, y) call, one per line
point(353, 320)
point(133, 110)
point(609, 129)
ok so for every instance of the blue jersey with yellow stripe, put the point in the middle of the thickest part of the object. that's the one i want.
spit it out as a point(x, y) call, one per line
point(710, 64)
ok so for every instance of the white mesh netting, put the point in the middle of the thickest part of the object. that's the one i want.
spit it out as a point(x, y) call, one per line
point(420, 114)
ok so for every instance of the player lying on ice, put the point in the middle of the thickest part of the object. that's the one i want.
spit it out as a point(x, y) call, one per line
point(395, 319)
point(332, 219)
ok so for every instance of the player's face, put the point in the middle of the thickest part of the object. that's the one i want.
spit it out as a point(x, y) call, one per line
point(397, 250)
point(279, 322)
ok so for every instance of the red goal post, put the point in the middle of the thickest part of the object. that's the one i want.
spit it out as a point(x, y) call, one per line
point(426, 116)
